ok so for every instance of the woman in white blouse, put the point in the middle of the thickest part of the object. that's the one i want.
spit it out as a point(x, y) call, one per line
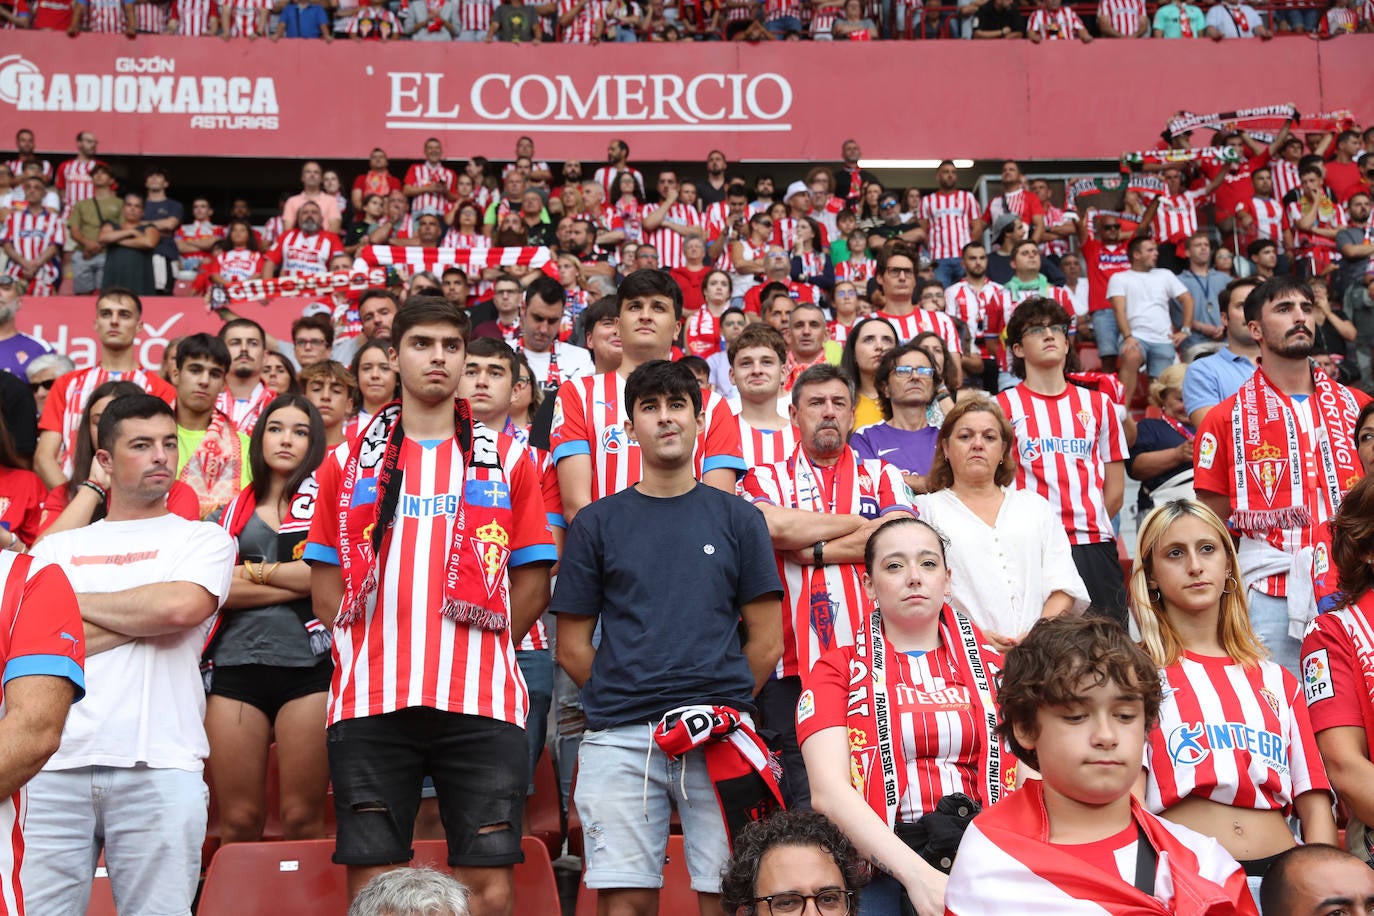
point(1009, 556)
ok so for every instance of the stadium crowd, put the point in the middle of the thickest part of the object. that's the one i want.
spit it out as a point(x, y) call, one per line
point(830, 475)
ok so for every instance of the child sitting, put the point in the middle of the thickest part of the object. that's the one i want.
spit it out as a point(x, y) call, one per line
point(1076, 701)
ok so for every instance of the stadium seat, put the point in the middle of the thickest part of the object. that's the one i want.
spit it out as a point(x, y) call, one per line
point(536, 891)
point(288, 876)
point(543, 814)
point(102, 896)
point(676, 897)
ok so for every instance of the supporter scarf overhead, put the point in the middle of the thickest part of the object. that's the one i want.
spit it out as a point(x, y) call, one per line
point(475, 590)
point(1215, 154)
point(1266, 117)
point(1267, 454)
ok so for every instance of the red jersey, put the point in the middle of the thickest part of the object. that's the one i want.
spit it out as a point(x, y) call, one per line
point(238, 264)
point(589, 419)
point(1176, 217)
point(1021, 203)
point(195, 18)
point(70, 394)
point(984, 312)
point(1338, 668)
point(606, 177)
point(766, 446)
point(475, 15)
point(405, 653)
point(31, 234)
point(40, 634)
point(298, 253)
point(1122, 15)
point(668, 242)
point(22, 495)
point(1286, 176)
point(1234, 735)
point(1054, 25)
point(587, 26)
point(1330, 215)
point(920, 321)
point(17, 165)
point(74, 179)
point(150, 17)
point(105, 16)
point(1236, 187)
point(382, 183)
point(245, 17)
point(1101, 261)
point(950, 215)
point(375, 23)
point(1270, 219)
point(430, 202)
point(1064, 443)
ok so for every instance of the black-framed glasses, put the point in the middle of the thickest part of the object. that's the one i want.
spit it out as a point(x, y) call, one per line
point(921, 371)
point(901, 271)
point(311, 342)
point(832, 902)
point(46, 385)
point(1040, 330)
point(1107, 226)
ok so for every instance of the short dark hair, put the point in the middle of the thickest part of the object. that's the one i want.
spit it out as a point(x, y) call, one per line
point(659, 377)
point(317, 321)
point(1224, 297)
point(204, 346)
point(234, 323)
point(818, 375)
point(770, 292)
point(548, 289)
point(121, 292)
point(795, 827)
point(652, 282)
point(1258, 245)
point(896, 248)
point(1050, 664)
point(494, 348)
point(757, 334)
point(1132, 247)
point(1036, 310)
point(129, 407)
point(427, 308)
point(1275, 887)
point(379, 292)
point(597, 312)
point(976, 243)
point(1270, 290)
point(314, 453)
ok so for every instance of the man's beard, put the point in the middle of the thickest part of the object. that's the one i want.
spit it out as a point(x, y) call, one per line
point(7, 313)
point(244, 372)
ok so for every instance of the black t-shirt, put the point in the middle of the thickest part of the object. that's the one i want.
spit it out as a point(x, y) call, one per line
point(667, 578)
point(155, 210)
point(993, 19)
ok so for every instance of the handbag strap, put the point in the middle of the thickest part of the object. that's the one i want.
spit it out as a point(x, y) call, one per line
point(1146, 863)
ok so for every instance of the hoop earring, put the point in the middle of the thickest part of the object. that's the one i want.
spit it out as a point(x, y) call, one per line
point(1156, 596)
point(1233, 582)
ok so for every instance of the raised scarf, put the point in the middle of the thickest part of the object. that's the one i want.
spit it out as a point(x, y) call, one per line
point(215, 470)
point(743, 772)
point(870, 712)
point(1267, 454)
point(1215, 154)
point(703, 332)
point(475, 589)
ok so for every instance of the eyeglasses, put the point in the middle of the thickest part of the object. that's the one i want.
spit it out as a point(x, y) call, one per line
point(524, 380)
point(309, 342)
point(919, 371)
point(831, 901)
point(766, 223)
point(36, 387)
point(1041, 330)
point(901, 271)
point(846, 294)
point(1108, 226)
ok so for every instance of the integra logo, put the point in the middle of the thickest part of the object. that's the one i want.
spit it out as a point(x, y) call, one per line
point(143, 85)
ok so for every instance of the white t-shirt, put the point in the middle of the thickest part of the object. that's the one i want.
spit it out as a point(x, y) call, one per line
point(145, 701)
point(1147, 295)
point(573, 362)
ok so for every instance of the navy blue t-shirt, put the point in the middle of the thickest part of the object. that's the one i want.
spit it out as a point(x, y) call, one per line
point(155, 210)
point(1152, 435)
point(667, 578)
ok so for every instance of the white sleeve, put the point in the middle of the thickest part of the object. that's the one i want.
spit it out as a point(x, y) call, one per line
point(206, 557)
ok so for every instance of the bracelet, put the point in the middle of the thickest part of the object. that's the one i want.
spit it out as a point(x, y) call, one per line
point(267, 576)
point(97, 489)
point(818, 553)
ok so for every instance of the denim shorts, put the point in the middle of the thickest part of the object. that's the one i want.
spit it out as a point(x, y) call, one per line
point(377, 764)
point(626, 790)
point(1106, 332)
point(1158, 357)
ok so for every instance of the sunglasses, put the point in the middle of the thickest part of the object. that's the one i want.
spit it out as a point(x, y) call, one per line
point(36, 387)
point(766, 223)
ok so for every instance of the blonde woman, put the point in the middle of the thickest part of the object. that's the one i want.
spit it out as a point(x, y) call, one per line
point(1234, 753)
point(1162, 457)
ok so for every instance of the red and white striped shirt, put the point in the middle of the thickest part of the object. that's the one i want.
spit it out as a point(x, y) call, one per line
point(823, 607)
point(920, 321)
point(1054, 216)
point(1330, 215)
point(455, 239)
point(773, 10)
point(70, 394)
point(1064, 443)
point(785, 234)
point(1269, 217)
point(405, 653)
point(951, 215)
point(1338, 21)
point(1234, 735)
point(150, 18)
point(424, 173)
point(589, 419)
point(668, 242)
point(195, 18)
point(245, 19)
point(197, 231)
point(238, 264)
point(984, 312)
point(74, 181)
point(17, 168)
point(1054, 25)
point(105, 17)
point(856, 272)
point(1022, 203)
point(475, 15)
point(1367, 12)
point(298, 253)
point(1286, 177)
point(1176, 218)
point(606, 177)
point(587, 26)
point(245, 413)
point(40, 634)
point(766, 446)
point(272, 230)
point(31, 233)
point(1122, 15)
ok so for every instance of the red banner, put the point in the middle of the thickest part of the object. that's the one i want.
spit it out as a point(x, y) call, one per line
point(775, 102)
point(67, 323)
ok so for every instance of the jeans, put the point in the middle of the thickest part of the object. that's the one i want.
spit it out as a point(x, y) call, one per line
point(778, 714)
point(1158, 357)
point(149, 822)
point(86, 272)
point(780, 27)
point(1106, 331)
point(1269, 617)
point(882, 897)
point(1297, 20)
point(949, 271)
point(536, 666)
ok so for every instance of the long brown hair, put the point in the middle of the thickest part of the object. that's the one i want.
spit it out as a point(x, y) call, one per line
point(1352, 542)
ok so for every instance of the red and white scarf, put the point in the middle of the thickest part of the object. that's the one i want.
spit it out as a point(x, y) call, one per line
point(703, 332)
point(870, 711)
point(743, 772)
point(215, 470)
point(256, 403)
point(1267, 453)
point(1218, 155)
point(1179, 428)
point(475, 589)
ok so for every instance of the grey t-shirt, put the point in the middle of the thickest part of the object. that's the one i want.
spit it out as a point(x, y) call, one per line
point(272, 635)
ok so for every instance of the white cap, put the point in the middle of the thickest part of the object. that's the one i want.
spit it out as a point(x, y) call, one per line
point(796, 187)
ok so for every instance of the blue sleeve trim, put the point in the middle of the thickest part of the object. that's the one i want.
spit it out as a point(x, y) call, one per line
point(899, 507)
point(730, 462)
point(50, 665)
point(318, 553)
point(573, 447)
point(556, 519)
point(535, 553)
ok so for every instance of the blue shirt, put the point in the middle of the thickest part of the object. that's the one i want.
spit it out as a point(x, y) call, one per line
point(1206, 308)
point(304, 21)
point(1213, 379)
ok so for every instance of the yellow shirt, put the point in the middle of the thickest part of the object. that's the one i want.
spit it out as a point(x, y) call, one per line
point(867, 412)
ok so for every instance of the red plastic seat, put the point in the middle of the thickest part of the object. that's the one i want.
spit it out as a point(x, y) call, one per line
point(102, 896)
point(543, 815)
point(676, 897)
point(286, 876)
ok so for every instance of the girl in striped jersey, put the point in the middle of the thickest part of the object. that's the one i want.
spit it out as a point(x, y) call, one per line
point(1234, 753)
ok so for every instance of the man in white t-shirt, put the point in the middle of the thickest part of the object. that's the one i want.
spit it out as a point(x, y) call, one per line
point(128, 777)
point(552, 361)
point(1140, 297)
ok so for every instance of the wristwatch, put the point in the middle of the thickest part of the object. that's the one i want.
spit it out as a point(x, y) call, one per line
point(818, 553)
